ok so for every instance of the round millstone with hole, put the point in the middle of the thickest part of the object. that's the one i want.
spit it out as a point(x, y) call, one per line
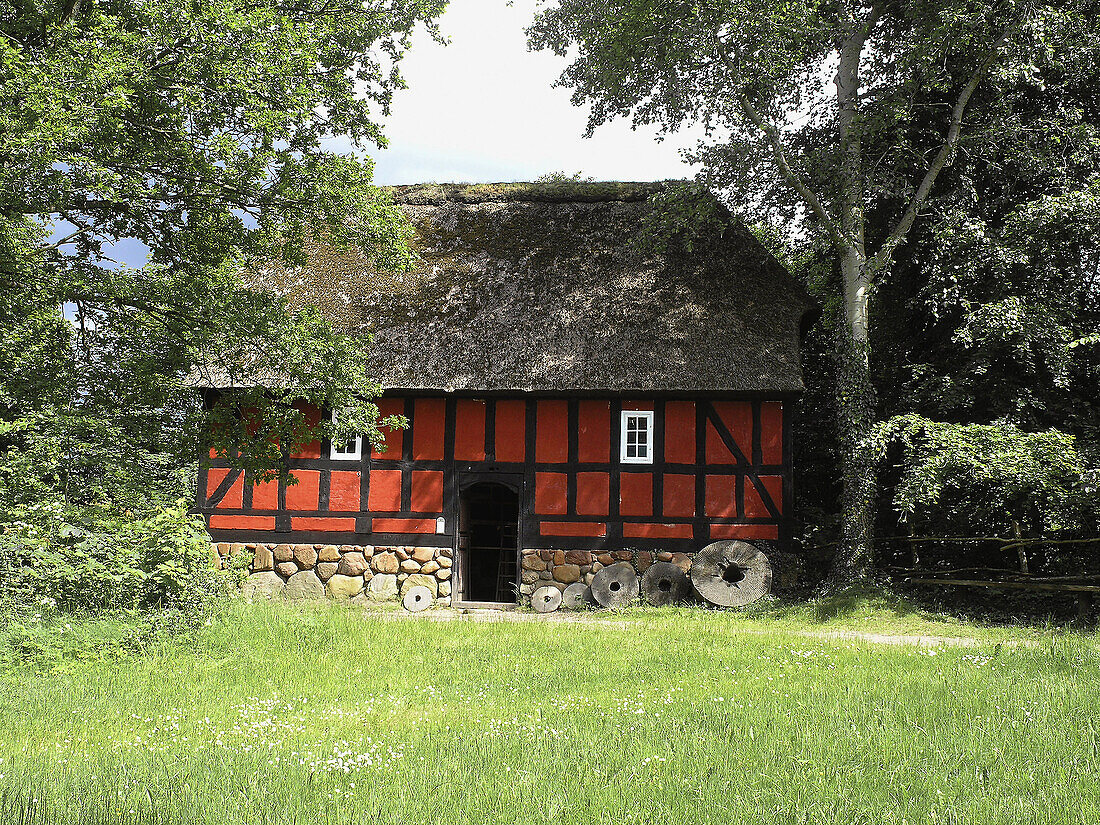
point(665, 583)
point(731, 573)
point(546, 599)
point(577, 596)
point(418, 598)
point(615, 585)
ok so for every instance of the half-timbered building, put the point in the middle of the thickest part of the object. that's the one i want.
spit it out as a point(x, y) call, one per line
point(582, 383)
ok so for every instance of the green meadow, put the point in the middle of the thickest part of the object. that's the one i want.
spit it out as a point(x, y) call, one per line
point(329, 714)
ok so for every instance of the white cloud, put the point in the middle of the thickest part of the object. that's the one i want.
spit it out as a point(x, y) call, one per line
point(483, 109)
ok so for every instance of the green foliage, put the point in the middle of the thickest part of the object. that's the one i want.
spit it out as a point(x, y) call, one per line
point(995, 479)
point(199, 133)
point(126, 562)
point(680, 216)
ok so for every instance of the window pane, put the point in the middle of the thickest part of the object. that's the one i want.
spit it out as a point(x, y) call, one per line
point(631, 451)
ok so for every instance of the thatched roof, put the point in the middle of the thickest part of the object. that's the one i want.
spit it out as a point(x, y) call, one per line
point(553, 287)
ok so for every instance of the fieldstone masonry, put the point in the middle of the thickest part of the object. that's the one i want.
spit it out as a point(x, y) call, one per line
point(358, 573)
point(560, 568)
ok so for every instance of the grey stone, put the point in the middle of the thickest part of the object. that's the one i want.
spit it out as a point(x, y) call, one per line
point(567, 573)
point(326, 570)
point(444, 588)
point(262, 586)
point(304, 585)
point(383, 587)
point(286, 569)
point(344, 587)
point(529, 577)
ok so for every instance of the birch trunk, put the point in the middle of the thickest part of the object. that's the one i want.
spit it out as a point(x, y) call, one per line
point(855, 396)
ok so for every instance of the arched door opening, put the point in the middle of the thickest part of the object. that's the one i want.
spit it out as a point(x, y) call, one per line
point(488, 548)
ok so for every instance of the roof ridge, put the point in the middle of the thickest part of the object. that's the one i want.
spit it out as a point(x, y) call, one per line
point(532, 192)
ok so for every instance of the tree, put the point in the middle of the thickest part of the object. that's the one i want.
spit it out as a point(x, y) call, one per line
point(820, 110)
point(198, 130)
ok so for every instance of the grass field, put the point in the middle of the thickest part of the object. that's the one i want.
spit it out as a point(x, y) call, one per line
point(318, 714)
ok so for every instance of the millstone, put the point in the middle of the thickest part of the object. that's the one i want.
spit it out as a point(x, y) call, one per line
point(577, 596)
point(731, 573)
point(615, 585)
point(665, 583)
point(546, 599)
point(417, 598)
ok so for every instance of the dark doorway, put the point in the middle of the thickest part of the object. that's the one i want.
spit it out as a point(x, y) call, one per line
point(488, 542)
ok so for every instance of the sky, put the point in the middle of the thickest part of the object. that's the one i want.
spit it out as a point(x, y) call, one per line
point(482, 109)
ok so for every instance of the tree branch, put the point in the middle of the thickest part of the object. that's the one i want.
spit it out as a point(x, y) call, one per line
point(779, 155)
point(944, 157)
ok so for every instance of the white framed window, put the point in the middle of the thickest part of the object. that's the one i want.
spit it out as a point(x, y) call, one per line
point(636, 437)
point(350, 450)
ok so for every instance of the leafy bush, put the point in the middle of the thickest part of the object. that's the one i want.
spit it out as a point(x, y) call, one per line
point(122, 561)
point(966, 479)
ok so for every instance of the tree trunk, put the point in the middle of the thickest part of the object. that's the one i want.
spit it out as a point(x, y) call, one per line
point(855, 396)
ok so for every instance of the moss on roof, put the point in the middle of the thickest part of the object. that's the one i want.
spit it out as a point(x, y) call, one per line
point(551, 192)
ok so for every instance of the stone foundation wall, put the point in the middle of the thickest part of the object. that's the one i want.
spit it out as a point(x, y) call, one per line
point(356, 572)
point(560, 568)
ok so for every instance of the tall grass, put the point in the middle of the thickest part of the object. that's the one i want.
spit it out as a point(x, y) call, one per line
point(316, 714)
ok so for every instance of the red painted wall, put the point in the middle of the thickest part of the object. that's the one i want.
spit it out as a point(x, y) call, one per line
point(575, 488)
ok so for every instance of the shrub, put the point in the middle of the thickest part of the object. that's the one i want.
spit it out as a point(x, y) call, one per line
point(992, 479)
point(112, 561)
